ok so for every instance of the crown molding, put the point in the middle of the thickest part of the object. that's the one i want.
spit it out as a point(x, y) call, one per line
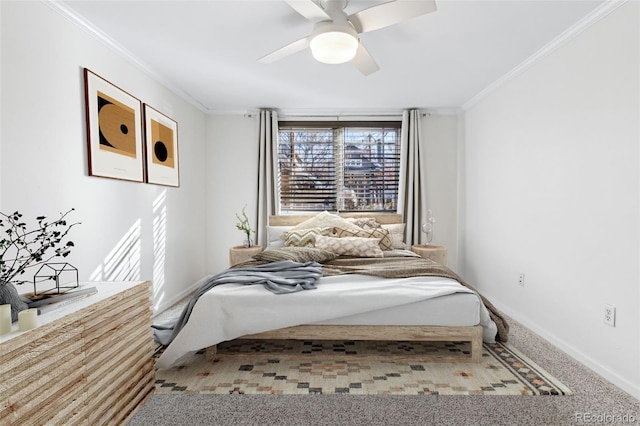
point(446, 112)
point(596, 15)
point(112, 44)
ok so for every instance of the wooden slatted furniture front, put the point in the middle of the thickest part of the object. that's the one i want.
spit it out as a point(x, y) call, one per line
point(89, 362)
point(472, 334)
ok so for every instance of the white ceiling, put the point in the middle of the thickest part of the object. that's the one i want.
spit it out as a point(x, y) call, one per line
point(207, 51)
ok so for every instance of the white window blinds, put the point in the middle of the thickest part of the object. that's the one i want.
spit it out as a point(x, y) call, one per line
point(339, 166)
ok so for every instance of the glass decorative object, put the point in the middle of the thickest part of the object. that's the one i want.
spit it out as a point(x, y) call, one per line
point(427, 227)
point(64, 275)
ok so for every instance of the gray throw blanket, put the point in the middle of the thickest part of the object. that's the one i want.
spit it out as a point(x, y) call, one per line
point(279, 277)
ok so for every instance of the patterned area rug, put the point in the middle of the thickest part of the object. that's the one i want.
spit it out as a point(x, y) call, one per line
point(365, 368)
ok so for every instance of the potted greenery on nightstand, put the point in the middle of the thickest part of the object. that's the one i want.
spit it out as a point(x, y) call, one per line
point(243, 225)
point(21, 248)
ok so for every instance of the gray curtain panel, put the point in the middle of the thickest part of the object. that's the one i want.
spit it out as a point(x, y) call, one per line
point(267, 173)
point(412, 202)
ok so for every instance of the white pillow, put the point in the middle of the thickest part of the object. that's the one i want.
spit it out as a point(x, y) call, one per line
point(396, 235)
point(350, 246)
point(274, 236)
point(326, 220)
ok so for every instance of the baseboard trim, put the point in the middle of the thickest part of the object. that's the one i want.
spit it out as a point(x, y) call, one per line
point(603, 371)
point(166, 304)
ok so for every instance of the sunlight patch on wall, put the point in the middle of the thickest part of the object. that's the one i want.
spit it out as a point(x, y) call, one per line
point(159, 247)
point(123, 262)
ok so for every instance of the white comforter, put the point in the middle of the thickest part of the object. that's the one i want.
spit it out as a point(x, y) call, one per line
point(229, 311)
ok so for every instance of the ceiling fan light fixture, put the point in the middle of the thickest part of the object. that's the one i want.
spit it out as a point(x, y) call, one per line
point(334, 45)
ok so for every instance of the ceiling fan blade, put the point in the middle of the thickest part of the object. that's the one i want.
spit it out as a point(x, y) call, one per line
point(309, 10)
point(364, 62)
point(285, 51)
point(391, 13)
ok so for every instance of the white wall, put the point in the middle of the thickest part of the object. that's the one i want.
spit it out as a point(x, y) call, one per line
point(0, 111)
point(43, 168)
point(232, 183)
point(441, 146)
point(551, 189)
point(43, 162)
point(548, 165)
point(232, 180)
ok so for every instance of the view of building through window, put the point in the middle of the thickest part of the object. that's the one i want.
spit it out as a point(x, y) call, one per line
point(339, 167)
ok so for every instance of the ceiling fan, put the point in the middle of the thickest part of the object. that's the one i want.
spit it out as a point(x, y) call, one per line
point(334, 39)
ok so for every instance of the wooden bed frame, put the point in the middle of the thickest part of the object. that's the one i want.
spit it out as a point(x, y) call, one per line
point(472, 334)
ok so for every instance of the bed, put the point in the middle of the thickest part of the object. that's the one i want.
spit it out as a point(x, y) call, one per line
point(355, 299)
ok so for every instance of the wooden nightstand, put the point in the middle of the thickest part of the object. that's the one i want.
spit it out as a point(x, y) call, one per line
point(436, 253)
point(239, 254)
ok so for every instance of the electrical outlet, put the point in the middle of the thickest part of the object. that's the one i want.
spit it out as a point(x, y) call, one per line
point(521, 280)
point(609, 317)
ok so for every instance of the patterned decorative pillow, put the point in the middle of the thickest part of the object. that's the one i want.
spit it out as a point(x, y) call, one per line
point(364, 222)
point(350, 246)
point(379, 233)
point(296, 254)
point(325, 220)
point(396, 235)
point(304, 237)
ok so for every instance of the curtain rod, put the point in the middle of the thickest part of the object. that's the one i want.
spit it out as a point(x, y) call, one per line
point(337, 117)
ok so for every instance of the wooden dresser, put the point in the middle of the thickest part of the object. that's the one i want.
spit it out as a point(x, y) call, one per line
point(89, 362)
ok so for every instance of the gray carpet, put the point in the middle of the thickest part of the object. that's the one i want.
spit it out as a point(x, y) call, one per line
point(593, 397)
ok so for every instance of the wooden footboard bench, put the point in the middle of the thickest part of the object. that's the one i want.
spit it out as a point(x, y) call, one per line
point(472, 334)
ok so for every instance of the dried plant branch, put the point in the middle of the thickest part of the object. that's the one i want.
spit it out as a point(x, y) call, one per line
point(21, 248)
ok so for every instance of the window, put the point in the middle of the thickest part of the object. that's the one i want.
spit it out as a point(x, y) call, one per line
point(341, 166)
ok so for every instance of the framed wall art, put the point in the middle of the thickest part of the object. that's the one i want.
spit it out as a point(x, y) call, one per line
point(114, 130)
point(161, 142)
